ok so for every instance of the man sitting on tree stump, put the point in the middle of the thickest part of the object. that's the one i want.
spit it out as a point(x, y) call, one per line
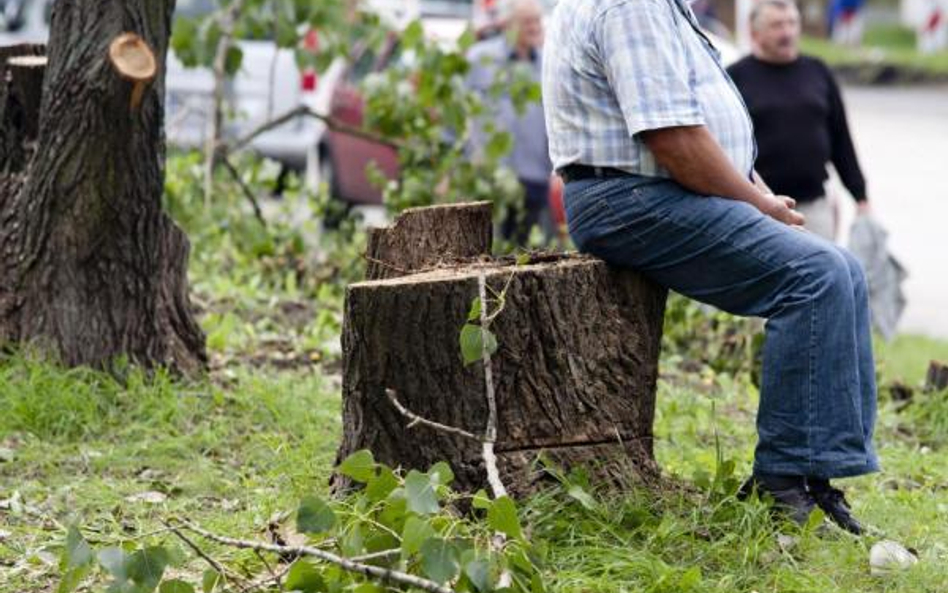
point(657, 151)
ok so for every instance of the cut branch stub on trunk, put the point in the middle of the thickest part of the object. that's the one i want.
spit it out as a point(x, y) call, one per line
point(574, 374)
point(422, 238)
point(135, 62)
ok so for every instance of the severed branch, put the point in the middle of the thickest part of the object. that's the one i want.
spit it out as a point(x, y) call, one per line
point(490, 433)
point(415, 419)
point(221, 570)
point(247, 191)
point(304, 110)
point(384, 574)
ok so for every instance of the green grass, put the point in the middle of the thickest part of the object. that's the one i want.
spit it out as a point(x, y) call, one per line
point(882, 45)
point(85, 446)
point(116, 454)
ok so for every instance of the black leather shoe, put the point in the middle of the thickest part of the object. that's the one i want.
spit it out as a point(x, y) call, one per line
point(789, 494)
point(834, 504)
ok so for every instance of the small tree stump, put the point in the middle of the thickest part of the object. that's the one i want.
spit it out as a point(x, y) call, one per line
point(424, 237)
point(575, 371)
point(22, 68)
point(937, 378)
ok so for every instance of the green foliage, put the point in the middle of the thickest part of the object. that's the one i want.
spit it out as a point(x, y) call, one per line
point(413, 527)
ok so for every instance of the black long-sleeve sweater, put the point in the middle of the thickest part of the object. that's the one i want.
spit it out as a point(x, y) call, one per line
point(800, 125)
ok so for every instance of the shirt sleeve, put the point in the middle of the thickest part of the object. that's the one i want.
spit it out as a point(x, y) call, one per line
point(645, 62)
point(843, 152)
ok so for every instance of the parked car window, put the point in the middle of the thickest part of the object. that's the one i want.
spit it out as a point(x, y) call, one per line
point(193, 8)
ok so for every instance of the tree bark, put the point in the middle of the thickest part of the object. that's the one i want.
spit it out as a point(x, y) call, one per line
point(937, 377)
point(91, 267)
point(575, 371)
point(425, 237)
point(21, 85)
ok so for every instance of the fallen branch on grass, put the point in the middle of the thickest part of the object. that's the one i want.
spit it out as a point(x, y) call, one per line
point(383, 574)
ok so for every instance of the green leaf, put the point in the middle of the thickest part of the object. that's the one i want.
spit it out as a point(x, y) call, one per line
point(304, 577)
point(416, 532)
point(481, 500)
point(114, 561)
point(472, 345)
point(368, 588)
point(360, 466)
point(439, 560)
point(475, 313)
point(77, 552)
point(233, 60)
point(380, 486)
point(582, 497)
point(478, 571)
point(146, 566)
point(210, 580)
point(441, 473)
point(175, 586)
point(76, 561)
point(502, 517)
point(314, 516)
point(498, 146)
point(420, 493)
point(413, 35)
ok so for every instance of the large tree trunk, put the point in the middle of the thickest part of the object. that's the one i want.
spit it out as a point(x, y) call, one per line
point(574, 374)
point(91, 267)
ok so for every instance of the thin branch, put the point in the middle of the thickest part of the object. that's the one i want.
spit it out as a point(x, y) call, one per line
point(305, 110)
point(221, 570)
point(247, 191)
point(273, 575)
point(377, 555)
point(490, 432)
point(384, 574)
point(415, 419)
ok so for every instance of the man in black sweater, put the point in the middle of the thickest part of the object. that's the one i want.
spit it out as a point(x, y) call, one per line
point(799, 119)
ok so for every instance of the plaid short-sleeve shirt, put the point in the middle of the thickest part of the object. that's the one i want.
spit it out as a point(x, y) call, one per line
point(615, 68)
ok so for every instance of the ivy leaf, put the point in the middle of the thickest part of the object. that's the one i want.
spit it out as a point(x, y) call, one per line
point(502, 517)
point(314, 516)
point(472, 345)
point(420, 493)
point(416, 532)
point(76, 561)
point(304, 577)
point(175, 586)
point(439, 560)
point(360, 466)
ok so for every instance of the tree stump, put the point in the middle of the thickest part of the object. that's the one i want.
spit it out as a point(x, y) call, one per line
point(574, 374)
point(424, 237)
point(937, 377)
point(22, 68)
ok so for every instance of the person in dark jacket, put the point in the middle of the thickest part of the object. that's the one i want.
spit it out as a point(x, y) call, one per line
point(799, 119)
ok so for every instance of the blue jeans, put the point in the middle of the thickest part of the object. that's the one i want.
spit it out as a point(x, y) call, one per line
point(818, 394)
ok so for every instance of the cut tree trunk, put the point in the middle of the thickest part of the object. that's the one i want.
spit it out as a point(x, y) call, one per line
point(937, 378)
point(21, 86)
point(91, 267)
point(574, 374)
point(423, 238)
